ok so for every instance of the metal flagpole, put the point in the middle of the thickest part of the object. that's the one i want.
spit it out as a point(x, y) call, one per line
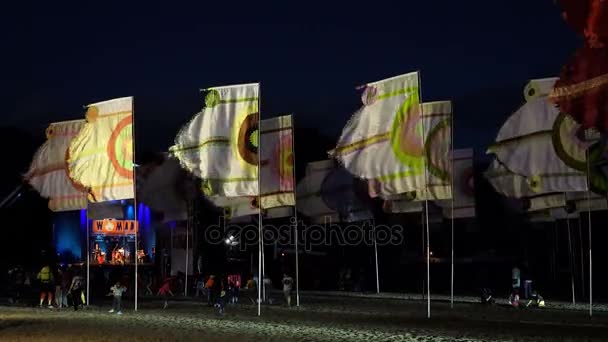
point(260, 243)
point(259, 284)
point(428, 261)
point(452, 207)
point(426, 207)
point(186, 280)
point(134, 196)
point(263, 268)
point(580, 241)
point(554, 251)
point(295, 210)
point(376, 254)
point(297, 260)
point(590, 241)
point(423, 247)
point(571, 261)
point(88, 254)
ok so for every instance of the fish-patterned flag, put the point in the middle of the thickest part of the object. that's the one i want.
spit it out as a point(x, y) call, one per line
point(538, 151)
point(384, 140)
point(433, 181)
point(539, 88)
point(464, 187)
point(276, 162)
point(220, 144)
point(48, 172)
point(101, 155)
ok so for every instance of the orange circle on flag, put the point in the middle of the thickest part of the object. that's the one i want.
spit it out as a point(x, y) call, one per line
point(121, 156)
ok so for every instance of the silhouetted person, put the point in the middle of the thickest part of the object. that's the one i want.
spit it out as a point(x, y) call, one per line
point(47, 286)
point(76, 291)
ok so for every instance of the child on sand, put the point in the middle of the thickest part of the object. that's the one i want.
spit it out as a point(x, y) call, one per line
point(117, 291)
point(221, 302)
point(165, 291)
point(287, 285)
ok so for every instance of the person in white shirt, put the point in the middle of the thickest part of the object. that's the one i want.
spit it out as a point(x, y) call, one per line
point(516, 277)
point(515, 284)
point(287, 286)
point(117, 291)
point(267, 283)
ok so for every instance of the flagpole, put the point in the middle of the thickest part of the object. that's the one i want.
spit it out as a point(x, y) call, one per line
point(186, 280)
point(426, 207)
point(580, 241)
point(297, 260)
point(260, 242)
point(452, 207)
point(295, 209)
point(571, 261)
point(554, 251)
point(263, 268)
point(88, 253)
point(590, 241)
point(376, 254)
point(423, 247)
point(134, 196)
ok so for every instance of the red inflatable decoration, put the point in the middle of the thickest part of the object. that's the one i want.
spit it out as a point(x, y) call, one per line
point(582, 90)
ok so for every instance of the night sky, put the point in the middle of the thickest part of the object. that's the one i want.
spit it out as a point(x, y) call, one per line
point(309, 57)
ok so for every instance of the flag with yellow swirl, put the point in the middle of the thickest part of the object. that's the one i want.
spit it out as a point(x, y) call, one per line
point(220, 144)
point(100, 157)
point(48, 172)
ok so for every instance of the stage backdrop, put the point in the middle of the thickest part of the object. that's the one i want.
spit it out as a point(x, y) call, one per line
point(69, 230)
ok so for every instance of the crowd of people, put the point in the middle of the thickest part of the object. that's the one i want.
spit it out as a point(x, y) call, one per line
point(521, 294)
point(64, 286)
point(52, 287)
point(218, 291)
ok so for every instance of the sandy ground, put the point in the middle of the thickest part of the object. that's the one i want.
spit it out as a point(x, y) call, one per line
point(320, 318)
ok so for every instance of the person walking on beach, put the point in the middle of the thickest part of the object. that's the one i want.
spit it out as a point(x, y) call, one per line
point(76, 291)
point(116, 291)
point(267, 283)
point(515, 278)
point(287, 286)
point(200, 287)
point(47, 286)
point(60, 287)
point(210, 288)
point(165, 291)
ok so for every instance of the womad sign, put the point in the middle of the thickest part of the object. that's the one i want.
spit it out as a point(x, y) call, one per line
point(115, 227)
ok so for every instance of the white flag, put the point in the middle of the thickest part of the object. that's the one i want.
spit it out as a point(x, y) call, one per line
point(383, 141)
point(48, 171)
point(220, 144)
point(538, 153)
point(276, 163)
point(101, 155)
point(464, 186)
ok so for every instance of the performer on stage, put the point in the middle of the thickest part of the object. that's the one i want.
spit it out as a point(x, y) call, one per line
point(99, 255)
